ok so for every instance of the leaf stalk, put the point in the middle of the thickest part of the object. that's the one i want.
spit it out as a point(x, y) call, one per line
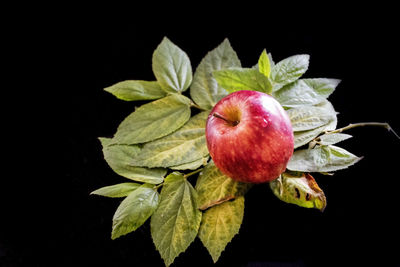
point(158, 186)
point(192, 173)
point(192, 104)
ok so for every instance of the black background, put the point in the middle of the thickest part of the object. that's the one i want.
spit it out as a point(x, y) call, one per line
point(50, 219)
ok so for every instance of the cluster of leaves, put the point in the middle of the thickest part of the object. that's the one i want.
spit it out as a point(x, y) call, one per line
point(162, 143)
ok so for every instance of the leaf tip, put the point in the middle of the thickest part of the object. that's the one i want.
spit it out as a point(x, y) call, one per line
point(215, 257)
point(226, 41)
point(264, 52)
point(108, 89)
point(322, 209)
point(114, 235)
point(165, 39)
point(104, 141)
point(323, 203)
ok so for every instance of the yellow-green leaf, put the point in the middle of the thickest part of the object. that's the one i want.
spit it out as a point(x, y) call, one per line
point(205, 90)
point(301, 190)
point(264, 66)
point(134, 210)
point(214, 188)
point(220, 224)
point(154, 120)
point(117, 190)
point(171, 66)
point(191, 165)
point(186, 145)
point(136, 90)
point(119, 158)
point(236, 79)
point(176, 222)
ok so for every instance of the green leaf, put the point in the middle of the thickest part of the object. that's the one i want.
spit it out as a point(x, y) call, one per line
point(297, 94)
point(134, 210)
point(186, 145)
point(322, 86)
point(119, 158)
point(171, 66)
point(301, 190)
point(271, 61)
point(220, 224)
point(205, 90)
point(305, 92)
point(333, 138)
point(136, 90)
point(309, 117)
point(289, 70)
point(117, 190)
point(176, 222)
point(191, 165)
point(154, 120)
point(214, 188)
point(321, 159)
point(303, 137)
point(236, 79)
point(328, 106)
point(310, 160)
point(264, 66)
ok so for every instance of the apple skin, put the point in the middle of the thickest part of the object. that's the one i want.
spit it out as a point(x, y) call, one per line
point(249, 137)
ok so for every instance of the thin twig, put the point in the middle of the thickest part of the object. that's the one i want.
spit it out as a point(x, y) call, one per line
point(360, 124)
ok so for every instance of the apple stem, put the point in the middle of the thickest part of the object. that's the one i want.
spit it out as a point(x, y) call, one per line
point(354, 125)
point(233, 123)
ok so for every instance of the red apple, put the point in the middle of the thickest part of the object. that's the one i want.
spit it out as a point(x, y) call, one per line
point(249, 137)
